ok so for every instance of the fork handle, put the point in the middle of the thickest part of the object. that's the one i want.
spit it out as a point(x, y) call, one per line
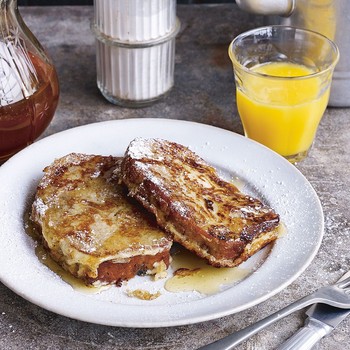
point(307, 336)
point(232, 340)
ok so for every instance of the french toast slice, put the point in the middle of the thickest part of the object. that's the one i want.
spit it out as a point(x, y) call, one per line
point(89, 225)
point(202, 212)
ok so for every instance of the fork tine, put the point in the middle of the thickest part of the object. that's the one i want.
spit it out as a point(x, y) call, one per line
point(344, 283)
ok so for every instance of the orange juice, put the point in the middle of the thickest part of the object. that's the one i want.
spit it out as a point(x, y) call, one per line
point(281, 107)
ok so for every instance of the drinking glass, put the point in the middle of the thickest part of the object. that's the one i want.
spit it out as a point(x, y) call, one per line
point(283, 77)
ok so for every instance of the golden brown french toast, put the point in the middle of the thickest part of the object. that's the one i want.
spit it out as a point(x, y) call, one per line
point(90, 227)
point(204, 213)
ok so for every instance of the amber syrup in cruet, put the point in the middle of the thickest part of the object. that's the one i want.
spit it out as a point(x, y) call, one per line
point(29, 88)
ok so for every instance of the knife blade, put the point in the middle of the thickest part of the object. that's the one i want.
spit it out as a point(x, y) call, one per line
point(321, 320)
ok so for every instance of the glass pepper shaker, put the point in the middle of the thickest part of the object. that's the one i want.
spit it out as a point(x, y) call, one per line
point(29, 88)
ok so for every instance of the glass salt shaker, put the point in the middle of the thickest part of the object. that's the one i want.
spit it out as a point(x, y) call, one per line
point(29, 88)
point(135, 49)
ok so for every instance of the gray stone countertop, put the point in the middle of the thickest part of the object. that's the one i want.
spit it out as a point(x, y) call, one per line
point(203, 92)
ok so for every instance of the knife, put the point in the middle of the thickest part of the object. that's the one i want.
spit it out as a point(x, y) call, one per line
point(321, 321)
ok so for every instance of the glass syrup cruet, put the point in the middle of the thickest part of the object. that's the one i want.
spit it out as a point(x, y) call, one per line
point(29, 87)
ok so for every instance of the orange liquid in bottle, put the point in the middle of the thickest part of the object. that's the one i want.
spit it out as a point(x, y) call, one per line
point(24, 121)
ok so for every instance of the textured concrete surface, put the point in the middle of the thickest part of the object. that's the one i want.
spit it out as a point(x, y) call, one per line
point(203, 92)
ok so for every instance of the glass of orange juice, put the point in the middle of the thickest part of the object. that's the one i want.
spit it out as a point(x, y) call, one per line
point(283, 77)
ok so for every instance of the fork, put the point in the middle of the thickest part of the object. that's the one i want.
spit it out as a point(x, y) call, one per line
point(337, 295)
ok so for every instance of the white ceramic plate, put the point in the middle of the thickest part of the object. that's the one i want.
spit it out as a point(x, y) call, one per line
point(263, 173)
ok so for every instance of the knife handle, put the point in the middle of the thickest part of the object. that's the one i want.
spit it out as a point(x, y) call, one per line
point(307, 336)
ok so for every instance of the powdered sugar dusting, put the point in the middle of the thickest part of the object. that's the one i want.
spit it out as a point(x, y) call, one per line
point(180, 208)
point(150, 176)
point(142, 148)
point(40, 208)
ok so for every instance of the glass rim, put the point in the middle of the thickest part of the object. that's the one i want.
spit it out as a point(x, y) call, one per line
point(250, 32)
